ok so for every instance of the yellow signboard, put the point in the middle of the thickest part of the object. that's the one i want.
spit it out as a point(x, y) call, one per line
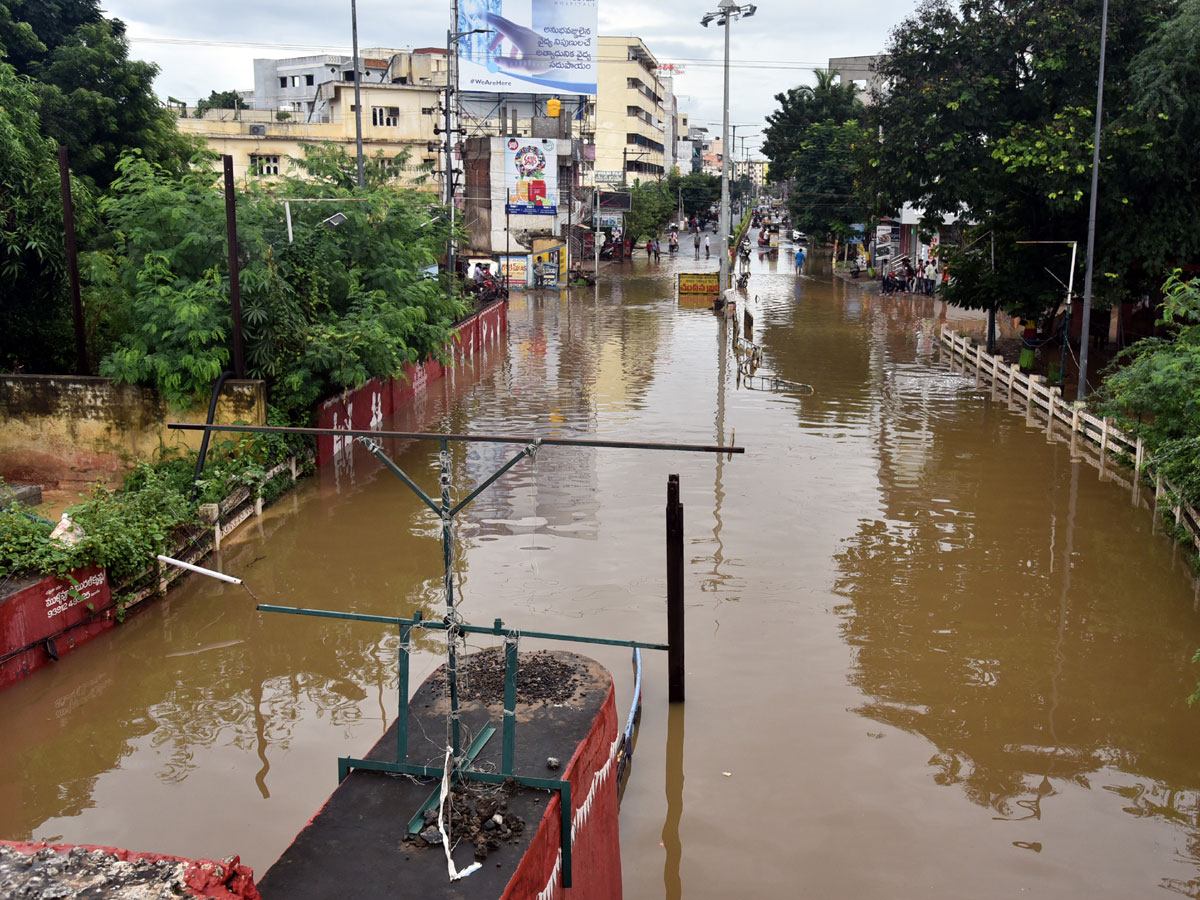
point(699, 283)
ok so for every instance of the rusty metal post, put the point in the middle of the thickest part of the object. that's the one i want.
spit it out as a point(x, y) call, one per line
point(235, 285)
point(675, 672)
point(64, 177)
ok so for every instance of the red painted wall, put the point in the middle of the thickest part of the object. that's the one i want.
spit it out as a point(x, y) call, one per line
point(596, 845)
point(46, 609)
point(203, 877)
point(366, 407)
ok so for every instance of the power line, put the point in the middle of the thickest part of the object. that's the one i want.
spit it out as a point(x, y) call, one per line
point(345, 51)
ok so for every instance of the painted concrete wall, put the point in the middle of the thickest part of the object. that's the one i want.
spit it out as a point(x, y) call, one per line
point(45, 616)
point(52, 427)
point(366, 407)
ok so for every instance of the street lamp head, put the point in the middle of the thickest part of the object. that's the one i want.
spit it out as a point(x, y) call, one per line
point(748, 11)
point(708, 17)
point(334, 221)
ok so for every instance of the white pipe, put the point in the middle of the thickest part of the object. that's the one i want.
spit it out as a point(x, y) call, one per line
point(199, 570)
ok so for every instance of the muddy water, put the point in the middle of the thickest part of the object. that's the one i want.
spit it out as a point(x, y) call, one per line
point(928, 654)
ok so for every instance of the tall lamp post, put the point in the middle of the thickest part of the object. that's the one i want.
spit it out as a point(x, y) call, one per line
point(448, 174)
point(727, 10)
point(1091, 234)
point(362, 179)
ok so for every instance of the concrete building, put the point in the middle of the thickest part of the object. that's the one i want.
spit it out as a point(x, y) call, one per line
point(755, 168)
point(863, 71)
point(397, 119)
point(631, 133)
point(489, 229)
point(671, 122)
point(294, 85)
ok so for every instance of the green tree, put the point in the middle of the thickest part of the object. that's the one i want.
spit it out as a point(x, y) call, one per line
point(799, 109)
point(987, 116)
point(822, 196)
point(219, 100)
point(36, 329)
point(652, 206)
point(1154, 388)
point(95, 100)
point(697, 191)
point(328, 310)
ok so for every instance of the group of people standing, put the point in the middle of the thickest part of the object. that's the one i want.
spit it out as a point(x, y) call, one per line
point(919, 279)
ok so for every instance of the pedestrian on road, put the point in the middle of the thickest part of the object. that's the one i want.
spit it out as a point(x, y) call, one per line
point(930, 277)
point(799, 260)
point(706, 250)
point(696, 240)
point(539, 273)
point(657, 250)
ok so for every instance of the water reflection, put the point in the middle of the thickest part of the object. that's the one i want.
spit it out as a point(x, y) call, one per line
point(988, 618)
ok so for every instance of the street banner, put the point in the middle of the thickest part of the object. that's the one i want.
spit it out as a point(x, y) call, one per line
point(531, 46)
point(531, 176)
point(514, 270)
point(699, 283)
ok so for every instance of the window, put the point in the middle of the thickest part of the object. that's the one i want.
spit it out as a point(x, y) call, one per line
point(283, 81)
point(297, 106)
point(308, 81)
point(348, 75)
point(428, 110)
point(263, 165)
point(385, 116)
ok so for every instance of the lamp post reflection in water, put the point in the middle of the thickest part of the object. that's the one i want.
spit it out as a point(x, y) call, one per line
point(672, 881)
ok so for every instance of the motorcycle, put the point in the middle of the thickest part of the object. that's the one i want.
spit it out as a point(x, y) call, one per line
point(606, 252)
point(743, 279)
point(489, 290)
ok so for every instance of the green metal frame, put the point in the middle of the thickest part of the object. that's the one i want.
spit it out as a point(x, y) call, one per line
point(461, 768)
point(452, 623)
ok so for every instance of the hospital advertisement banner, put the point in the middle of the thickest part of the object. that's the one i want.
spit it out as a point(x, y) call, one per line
point(531, 176)
point(527, 46)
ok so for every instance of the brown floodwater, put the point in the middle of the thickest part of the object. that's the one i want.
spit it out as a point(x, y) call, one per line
point(928, 653)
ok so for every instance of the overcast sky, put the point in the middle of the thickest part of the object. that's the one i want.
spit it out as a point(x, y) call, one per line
point(773, 50)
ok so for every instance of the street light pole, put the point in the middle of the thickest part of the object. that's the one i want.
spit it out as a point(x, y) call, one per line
point(1091, 235)
point(727, 10)
point(362, 180)
point(448, 172)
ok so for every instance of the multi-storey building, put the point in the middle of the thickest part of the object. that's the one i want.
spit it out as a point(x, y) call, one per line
point(630, 131)
point(294, 85)
point(402, 104)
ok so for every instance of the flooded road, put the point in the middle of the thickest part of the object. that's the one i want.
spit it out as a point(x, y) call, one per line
point(928, 654)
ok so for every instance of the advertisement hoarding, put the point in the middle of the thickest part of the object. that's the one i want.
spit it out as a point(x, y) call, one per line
point(531, 46)
point(514, 270)
point(699, 283)
point(531, 176)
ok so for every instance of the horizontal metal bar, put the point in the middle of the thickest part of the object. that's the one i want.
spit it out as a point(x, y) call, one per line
point(378, 765)
point(469, 629)
point(480, 438)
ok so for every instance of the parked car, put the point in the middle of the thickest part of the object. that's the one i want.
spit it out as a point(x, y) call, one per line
point(799, 237)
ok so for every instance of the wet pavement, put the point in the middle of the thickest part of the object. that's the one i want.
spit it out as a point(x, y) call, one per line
point(928, 654)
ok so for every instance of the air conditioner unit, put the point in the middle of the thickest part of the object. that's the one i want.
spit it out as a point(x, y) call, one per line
point(259, 130)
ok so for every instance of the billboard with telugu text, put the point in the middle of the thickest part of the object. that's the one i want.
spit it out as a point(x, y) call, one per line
point(531, 176)
point(527, 46)
point(698, 283)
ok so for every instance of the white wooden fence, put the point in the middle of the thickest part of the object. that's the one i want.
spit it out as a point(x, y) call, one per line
point(1095, 439)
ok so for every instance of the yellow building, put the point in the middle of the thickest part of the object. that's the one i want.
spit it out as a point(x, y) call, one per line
point(396, 117)
point(630, 126)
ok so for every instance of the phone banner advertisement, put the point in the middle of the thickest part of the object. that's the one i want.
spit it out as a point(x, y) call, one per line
point(527, 46)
